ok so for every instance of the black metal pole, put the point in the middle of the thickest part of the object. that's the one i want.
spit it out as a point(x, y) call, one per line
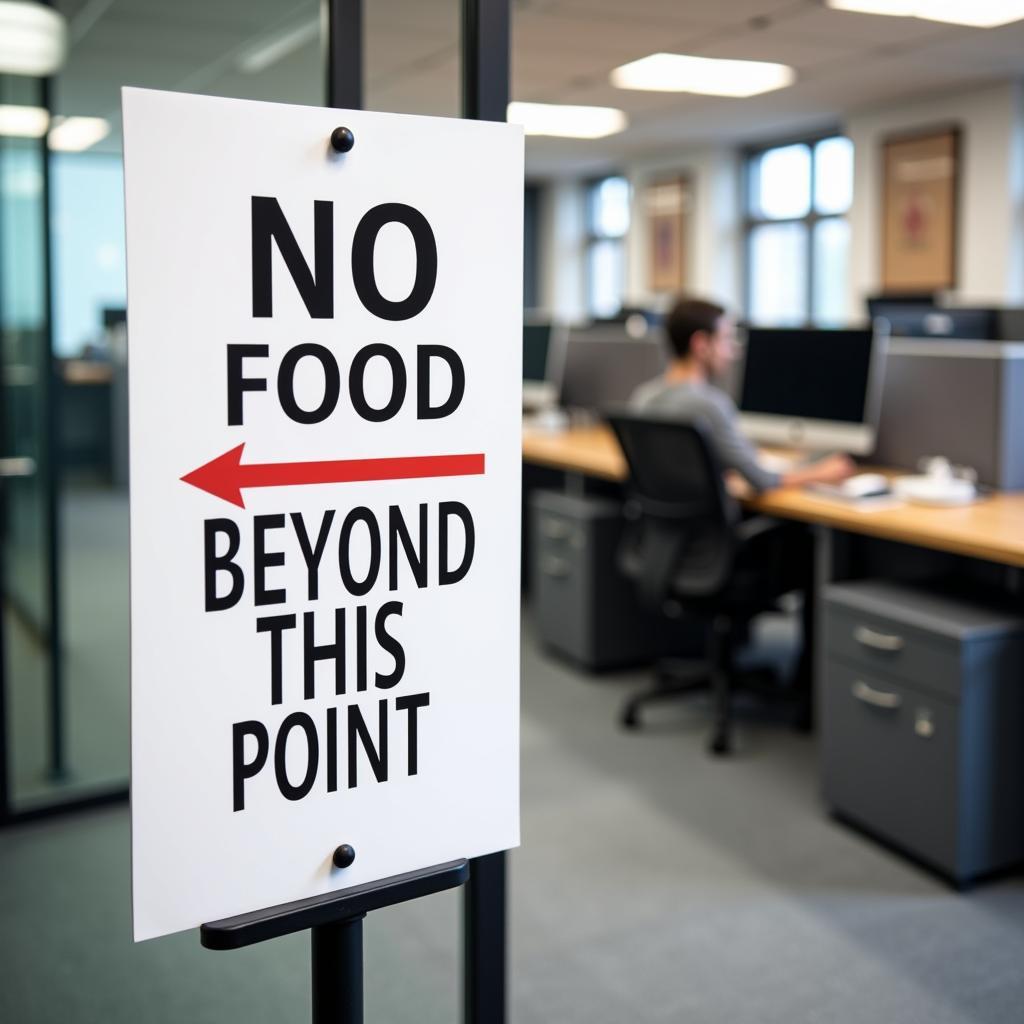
point(6, 811)
point(338, 972)
point(337, 948)
point(484, 942)
point(345, 53)
point(485, 95)
point(5, 739)
point(49, 471)
point(485, 59)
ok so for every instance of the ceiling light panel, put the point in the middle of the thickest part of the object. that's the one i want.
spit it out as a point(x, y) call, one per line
point(567, 122)
point(75, 134)
point(707, 76)
point(23, 122)
point(975, 13)
point(32, 39)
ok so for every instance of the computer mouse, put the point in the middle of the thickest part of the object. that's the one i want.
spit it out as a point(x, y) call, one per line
point(865, 485)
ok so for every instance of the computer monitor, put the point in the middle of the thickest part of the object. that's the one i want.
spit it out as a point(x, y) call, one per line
point(536, 346)
point(114, 315)
point(543, 348)
point(814, 389)
point(604, 366)
point(918, 321)
point(878, 303)
point(1010, 324)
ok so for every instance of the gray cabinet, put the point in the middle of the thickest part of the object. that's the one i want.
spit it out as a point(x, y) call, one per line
point(922, 723)
point(585, 609)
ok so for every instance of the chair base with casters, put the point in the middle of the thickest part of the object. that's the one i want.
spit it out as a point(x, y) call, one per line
point(672, 679)
point(675, 678)
point(688, 551)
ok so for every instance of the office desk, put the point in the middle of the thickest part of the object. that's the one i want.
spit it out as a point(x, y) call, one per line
point(991, 530)
point(876, 770)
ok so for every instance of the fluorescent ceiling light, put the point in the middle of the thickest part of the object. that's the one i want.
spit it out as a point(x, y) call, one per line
point(709, 76)
point(32, 39)
point(23, 122)
point(270, 51)
point(74, 134)
point(566, 121)
point(978, 13)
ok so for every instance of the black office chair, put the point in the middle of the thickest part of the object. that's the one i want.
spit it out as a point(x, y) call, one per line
point(688, 551)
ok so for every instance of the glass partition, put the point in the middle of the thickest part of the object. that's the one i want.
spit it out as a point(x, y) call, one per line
point(34, 755)
point(64, 353)
point(64, 343)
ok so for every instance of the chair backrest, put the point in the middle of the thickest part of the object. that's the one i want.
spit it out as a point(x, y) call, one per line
point(680, 538)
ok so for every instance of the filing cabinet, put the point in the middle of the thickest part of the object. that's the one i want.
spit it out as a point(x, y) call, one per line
point(585, 610)
point(922, 723)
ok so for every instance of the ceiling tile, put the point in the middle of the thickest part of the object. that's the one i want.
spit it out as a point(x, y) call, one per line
point(435, 92)
point(868, 29)
point(696, 12)
point(782, 45)
point(440, 18)
point(614, 39)
point(563, 51)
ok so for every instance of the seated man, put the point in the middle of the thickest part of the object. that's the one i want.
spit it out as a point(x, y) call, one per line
point(702, 346)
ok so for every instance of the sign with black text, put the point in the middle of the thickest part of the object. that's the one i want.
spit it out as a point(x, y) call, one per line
point(324, 374)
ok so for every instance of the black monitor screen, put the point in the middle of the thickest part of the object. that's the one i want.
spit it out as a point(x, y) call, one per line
point(114, 315)
point(803, 374)
point(536, 338)
point(878, 304)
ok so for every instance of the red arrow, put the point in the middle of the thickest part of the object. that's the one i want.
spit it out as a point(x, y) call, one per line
point(225, 476)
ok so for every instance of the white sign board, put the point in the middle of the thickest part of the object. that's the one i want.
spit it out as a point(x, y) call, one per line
point(324, 366)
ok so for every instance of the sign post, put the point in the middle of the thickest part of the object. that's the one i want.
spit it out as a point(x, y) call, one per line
point(324, 615)
point(335, 924)
point(485, 94)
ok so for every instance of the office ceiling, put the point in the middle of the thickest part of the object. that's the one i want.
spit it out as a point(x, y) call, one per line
point(563, 51)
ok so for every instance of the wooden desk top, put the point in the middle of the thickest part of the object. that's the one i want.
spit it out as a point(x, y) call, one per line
point(992, 530)
point(86, 371)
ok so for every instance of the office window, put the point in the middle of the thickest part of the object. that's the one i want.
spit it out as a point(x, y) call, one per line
point(798, 237)
point(88, 248)
point(607, 224)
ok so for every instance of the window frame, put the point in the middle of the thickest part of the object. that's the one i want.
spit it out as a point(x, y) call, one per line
point(593, 237)
point(751, 221)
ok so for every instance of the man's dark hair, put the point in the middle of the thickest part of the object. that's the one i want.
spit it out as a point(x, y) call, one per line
point(686, 318)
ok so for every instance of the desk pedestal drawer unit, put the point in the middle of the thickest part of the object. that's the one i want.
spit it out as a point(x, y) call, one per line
point(584, 607)
point(922, 724)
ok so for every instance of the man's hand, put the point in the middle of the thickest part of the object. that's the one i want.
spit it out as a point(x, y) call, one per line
point(830, 470)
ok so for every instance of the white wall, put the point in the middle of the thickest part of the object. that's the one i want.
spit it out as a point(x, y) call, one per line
point(714, 248)
point(714, 245)
point(990, 247)
point(990, 262)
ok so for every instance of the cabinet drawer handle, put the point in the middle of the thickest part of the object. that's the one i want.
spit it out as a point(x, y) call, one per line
point(879, 641)
point(876, 698)
point(557, 567)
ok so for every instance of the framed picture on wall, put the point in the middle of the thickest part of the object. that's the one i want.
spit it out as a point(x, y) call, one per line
point(919, 212)
point(668, 205)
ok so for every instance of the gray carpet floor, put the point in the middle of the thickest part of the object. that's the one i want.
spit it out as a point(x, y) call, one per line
point(653, 884)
